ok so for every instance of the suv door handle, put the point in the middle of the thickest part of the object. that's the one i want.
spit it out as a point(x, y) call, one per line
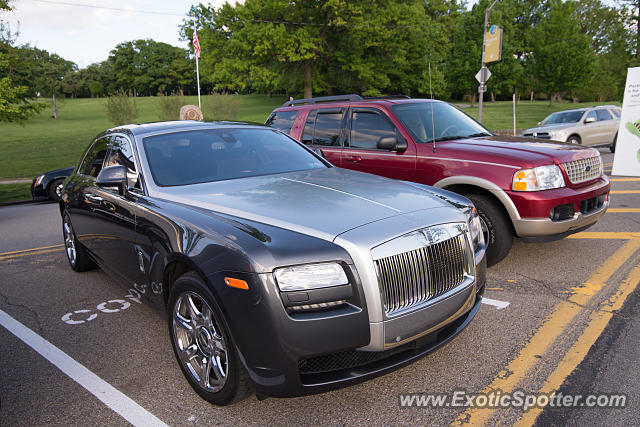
point(354, 159)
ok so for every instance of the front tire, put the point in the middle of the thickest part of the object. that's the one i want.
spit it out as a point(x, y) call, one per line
point(55, 190)
point(574, 139)
point(202, 343)
point(495, 226)
point(76, 253)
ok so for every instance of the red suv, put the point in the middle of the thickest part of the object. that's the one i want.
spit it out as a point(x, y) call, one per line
point(532, 189)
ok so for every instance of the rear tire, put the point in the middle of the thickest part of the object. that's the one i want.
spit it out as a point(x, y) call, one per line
point(202, 343)
point(495, 226)
point(612, 147)
point(76, 253)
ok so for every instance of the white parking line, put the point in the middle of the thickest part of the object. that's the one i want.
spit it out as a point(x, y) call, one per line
point(496, 303)
point(95, 385)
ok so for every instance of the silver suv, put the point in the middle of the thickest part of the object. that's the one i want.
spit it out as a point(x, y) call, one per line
point(586, 126)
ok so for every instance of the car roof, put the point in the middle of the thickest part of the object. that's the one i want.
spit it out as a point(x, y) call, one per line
point(359, 102)
point(140, 129)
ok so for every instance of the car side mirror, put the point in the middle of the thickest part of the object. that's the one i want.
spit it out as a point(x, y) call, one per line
point(114, 176)
point(589, 120)
point(539, 123)
point(391, 143)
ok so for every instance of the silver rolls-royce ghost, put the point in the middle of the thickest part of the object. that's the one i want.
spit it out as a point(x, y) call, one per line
point(280, 274)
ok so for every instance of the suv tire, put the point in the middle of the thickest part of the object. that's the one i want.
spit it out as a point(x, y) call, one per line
point(497, 231)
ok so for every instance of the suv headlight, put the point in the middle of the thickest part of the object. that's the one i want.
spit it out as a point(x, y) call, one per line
point(310, 276)
point(540, 178)
point(38, 180)
point(475, 229)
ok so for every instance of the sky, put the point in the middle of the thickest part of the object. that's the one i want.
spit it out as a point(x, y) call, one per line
point(86, 35)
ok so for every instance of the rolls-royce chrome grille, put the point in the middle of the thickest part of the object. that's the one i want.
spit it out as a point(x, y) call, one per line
point(440, 264)
point(584, 169)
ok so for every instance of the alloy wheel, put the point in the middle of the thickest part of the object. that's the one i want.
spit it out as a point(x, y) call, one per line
point(199, 341)
point(69, 241)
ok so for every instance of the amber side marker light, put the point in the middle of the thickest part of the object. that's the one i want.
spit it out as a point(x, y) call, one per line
point(236, 283)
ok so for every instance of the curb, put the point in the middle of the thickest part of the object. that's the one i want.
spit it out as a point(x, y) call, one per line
point(18, 202)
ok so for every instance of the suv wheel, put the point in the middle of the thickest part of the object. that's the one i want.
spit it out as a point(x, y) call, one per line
point(495, 226)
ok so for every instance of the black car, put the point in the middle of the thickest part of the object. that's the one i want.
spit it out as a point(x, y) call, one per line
point(280, 274)
point(49, 184)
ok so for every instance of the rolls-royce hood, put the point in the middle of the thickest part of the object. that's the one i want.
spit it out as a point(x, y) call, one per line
point(322, 202)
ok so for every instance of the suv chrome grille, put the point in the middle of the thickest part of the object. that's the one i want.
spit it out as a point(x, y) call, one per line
point(584, 169)
point(416, 276)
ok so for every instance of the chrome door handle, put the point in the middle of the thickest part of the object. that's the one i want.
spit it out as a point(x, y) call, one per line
point(93, 198)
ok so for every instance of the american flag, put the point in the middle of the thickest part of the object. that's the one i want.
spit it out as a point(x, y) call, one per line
point(196, 43)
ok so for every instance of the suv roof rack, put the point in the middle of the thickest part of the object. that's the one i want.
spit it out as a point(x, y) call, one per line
point(388, 97)
point(319, 99)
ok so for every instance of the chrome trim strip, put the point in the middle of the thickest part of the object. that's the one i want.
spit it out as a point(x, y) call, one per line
point(469, 161)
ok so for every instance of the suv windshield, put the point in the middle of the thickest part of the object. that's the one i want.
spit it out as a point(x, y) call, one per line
point(193, 157)
point(563, 117)
point(448, 122)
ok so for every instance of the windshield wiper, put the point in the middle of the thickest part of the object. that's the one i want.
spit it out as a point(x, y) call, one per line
point(448, 138)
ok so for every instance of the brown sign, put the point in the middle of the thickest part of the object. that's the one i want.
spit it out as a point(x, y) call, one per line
point(493, 44)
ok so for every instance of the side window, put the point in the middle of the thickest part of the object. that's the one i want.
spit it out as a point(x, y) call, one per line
point(367, 127)
point(122, 154)
point(603, 115)
point(616, 112)
point(592, 114)
point(282, 120)
point(307, 133)
point(327, 129)
point(92, 164)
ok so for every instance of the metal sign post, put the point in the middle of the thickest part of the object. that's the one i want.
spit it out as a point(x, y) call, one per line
point(483, 83)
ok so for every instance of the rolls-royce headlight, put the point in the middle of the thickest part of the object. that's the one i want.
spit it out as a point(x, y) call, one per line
point(540, 178)
point(310, 276)
point(475, 228)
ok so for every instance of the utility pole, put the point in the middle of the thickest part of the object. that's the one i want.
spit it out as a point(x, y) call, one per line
point(483, 70)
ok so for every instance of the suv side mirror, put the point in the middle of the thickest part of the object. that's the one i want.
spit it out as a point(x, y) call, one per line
point(589, 120)
point(391, 143)
point(114, 176)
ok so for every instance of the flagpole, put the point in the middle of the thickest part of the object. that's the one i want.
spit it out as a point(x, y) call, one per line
point(198, 79)
point(196, 51)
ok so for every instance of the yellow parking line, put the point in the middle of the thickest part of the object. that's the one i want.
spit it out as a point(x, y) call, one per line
point(625, 192)
point(3, 258)
point(30, 250)
point(553, 328)
point(604, 235)
point(624, 210)
point(598, 322)
point(624, 179)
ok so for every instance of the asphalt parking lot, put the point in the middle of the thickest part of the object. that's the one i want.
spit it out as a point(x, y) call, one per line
point(560, 315)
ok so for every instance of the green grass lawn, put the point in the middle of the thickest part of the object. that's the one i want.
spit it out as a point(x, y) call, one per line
point(499, 115)
point(11, 192)
point(45, 144)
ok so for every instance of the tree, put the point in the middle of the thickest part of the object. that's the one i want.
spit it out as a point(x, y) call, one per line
point(15, 105)
point(561, 59)
point(324, 45)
